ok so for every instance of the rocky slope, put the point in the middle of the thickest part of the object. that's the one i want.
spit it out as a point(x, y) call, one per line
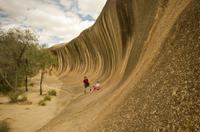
point(147, 53)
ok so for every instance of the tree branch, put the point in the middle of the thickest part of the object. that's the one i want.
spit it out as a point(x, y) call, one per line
point(6, 81)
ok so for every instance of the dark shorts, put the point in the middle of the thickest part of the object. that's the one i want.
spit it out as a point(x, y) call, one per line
point(87, 85)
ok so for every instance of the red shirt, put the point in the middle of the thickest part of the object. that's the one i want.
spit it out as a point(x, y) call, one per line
point(86, 81)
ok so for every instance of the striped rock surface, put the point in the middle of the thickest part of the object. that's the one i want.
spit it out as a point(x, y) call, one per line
point(146, 54)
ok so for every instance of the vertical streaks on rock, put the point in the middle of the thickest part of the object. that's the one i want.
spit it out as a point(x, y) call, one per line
point(149, 48)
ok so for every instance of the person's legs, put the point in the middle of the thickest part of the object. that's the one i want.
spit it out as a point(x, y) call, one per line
point(91, 90)
point(85, 91)
point(98, 88)
point(88, 89)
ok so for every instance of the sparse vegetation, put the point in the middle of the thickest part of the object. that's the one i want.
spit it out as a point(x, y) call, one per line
point(52, 92)
point(42, 103)
point(47, 98)
point(17, 96)
point(22, 98)
point(4, 126)
point(13, 96)
point(31, 84)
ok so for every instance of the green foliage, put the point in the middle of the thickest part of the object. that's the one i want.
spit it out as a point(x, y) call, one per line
point(21, 57)
point(22, 98)
point(4, 88)
point(46, 61)
point(16, 50)
point(52, 92)
point(47, 98)
point(31, 84)
point(42, 103)
point(13, 96)
point(4, 126)
point(17, 96)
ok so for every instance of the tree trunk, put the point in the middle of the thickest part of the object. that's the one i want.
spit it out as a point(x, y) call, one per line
point(6, 81)
point(26, 80)
point(26, 84)
point(16, 80)
point(41, 81)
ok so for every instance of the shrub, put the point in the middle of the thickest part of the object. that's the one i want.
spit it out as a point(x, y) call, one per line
point(47, 98)
point(31, 84)
point(21, 98)
point(52, 92)
point(17, 96)
point(4, 89)
point(4, 127)
point(13, 96)
point(42, 103)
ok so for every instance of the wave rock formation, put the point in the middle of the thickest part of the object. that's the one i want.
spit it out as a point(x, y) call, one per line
point(146, 54)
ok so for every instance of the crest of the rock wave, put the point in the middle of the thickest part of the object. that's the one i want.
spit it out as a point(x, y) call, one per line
point(146, 54)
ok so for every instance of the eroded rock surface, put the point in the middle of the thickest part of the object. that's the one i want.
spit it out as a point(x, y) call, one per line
point(148, 53)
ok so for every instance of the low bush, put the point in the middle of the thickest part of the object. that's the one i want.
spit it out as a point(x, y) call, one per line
point(17, 96)
point(52, 92)
point(4, 127)
point(13, 96)
point(4, 89)
point(42, 103)
point(31, 84)
point(22, 98)
point(47, 98)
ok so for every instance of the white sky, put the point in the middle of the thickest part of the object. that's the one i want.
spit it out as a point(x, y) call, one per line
point(55, 21)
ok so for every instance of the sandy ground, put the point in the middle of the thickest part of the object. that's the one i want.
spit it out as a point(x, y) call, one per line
point(29, 118)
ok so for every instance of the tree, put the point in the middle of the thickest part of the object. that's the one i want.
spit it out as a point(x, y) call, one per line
point(46, 61)
point(30, 65)
point(14, 45)
point(21, 57)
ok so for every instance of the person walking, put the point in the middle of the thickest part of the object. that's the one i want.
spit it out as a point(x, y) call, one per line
point(86, 84)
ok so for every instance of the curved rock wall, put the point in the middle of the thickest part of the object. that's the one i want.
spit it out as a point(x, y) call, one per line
point(105, 48)
point(147, 52)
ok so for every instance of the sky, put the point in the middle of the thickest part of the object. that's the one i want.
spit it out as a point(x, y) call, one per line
point(55, 21)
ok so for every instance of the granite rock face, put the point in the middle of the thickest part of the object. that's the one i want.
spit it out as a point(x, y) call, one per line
point(149, 50)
